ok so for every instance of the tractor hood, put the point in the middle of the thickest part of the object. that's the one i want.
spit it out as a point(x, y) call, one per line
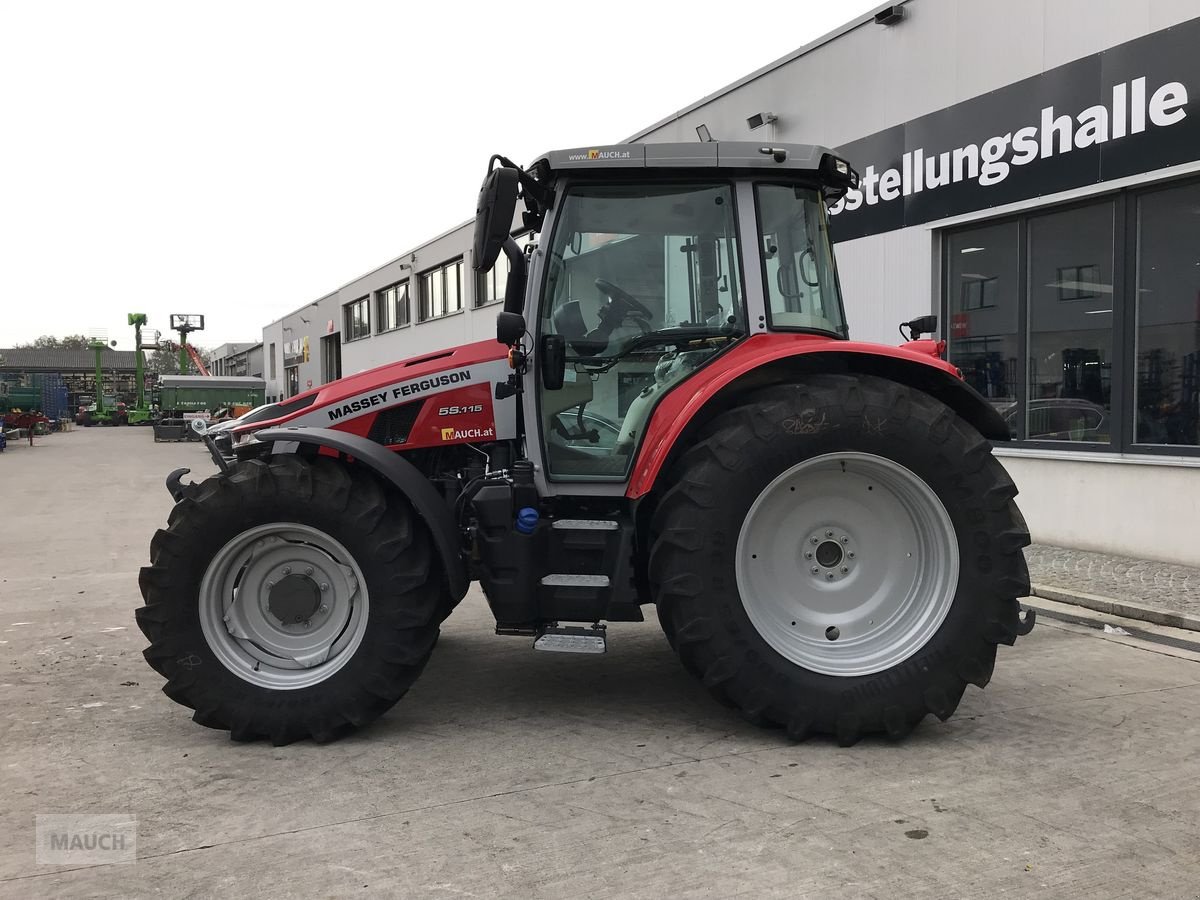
point(463, 377)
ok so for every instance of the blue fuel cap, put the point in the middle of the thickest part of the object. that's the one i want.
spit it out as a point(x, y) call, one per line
point(527, 519)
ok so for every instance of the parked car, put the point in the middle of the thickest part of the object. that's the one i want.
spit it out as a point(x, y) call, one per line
point(1061, 419)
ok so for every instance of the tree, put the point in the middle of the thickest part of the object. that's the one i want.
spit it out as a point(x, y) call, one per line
point(165, 360)
point(50, 342)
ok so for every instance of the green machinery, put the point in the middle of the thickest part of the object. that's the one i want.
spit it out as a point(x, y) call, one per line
point(182, 394)
point(18, 396)
point(141, 413)
point(98, 414)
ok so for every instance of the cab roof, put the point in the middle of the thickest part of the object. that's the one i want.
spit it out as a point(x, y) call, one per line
point(699, 154)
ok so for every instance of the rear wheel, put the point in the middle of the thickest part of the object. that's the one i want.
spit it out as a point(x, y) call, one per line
point(872, 565)
point(290, 599)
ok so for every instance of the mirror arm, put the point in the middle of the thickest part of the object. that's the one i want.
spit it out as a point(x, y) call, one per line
point(514, 287)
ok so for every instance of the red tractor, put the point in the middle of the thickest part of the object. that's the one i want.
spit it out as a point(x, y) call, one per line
point(673, 415)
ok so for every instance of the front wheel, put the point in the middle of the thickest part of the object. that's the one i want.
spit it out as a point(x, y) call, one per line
point(290, 599)
point(840, 556)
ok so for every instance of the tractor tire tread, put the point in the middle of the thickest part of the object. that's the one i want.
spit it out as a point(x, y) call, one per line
point(406, 598)
point(709, 629)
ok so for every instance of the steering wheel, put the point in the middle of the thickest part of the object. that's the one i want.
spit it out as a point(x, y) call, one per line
point(624, 300)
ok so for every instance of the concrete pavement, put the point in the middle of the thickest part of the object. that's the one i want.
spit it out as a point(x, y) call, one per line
point(510, 773)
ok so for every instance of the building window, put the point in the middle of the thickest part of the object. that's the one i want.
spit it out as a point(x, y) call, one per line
point(1081, 324)
point(982, 284)
point(331, 358)
point(273, 369)
point(1070, 345)
point(356, 319)
point(489, 286)
point(979, 292)
point(1079, 282)
point(391, 307)
point(441, 291)
point(1166, 406)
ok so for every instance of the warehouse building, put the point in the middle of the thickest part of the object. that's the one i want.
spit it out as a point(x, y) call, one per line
point(1038, 189)
point(238, 360)
point(65, 379)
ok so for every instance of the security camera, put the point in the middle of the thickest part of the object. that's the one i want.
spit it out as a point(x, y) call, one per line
point(759, 119)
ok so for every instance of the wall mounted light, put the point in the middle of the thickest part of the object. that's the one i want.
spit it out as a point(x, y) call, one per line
point(890, 15)
point(759, 119)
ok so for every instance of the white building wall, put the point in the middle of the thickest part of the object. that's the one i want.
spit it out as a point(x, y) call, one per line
point(273, 370)
point(470, 324)
point(886, 280)
point(1150, 511)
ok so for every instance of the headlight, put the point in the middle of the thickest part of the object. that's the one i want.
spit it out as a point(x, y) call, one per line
point(244, 439)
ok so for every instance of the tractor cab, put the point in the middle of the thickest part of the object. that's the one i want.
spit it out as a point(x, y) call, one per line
point(652, 260)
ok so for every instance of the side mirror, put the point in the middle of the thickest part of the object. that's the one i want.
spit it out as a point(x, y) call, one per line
point(494, 216)
point(510, 328)
point(553, 361)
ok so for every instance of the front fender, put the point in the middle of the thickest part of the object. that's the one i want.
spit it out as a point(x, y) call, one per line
point(776, 358)
point(405, 477)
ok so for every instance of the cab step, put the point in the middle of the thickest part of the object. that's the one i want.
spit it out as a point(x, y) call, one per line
point(587, 524)
point(576, 580)
point(572, 639)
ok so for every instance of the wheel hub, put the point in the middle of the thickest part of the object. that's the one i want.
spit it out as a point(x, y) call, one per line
point(294, 599)
point(283, 605)
point(829, 554)
point(813, 590)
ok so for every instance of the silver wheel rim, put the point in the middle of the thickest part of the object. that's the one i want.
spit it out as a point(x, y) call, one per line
point(283, 606)
point(847, 564)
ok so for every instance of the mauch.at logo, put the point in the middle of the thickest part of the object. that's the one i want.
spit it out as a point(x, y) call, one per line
point(64, 840)
point(466, 434)
point(600, 154)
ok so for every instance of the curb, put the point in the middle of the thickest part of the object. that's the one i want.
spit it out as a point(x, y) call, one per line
point(1122, 608)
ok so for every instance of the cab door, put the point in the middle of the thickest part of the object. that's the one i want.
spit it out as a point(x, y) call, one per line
point(641, 283)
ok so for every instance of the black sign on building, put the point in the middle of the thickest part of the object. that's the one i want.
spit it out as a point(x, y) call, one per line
point(1120, 112)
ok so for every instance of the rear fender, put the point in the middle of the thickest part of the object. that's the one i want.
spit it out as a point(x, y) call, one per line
point(717, 387)
point(401, 474)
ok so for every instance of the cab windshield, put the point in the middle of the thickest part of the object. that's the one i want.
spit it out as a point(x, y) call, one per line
point(798, 268)
point(644, 284)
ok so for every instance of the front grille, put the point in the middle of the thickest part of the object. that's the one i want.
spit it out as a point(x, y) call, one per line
point(392, 426)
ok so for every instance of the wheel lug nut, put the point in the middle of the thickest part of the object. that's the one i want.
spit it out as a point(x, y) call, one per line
point(816, 540)
point(324, 586)
point(828, 534)
point(287, 570)
point(808, 554)
point(308, 570)
point(308, 624)
point(845, 540)
point(845, 569)
point(270, 584)
point(851, 554)
point(814, 570)
point(830, 576)
point(323, 608)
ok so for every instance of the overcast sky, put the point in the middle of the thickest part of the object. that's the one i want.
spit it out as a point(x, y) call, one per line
point(241, 159)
